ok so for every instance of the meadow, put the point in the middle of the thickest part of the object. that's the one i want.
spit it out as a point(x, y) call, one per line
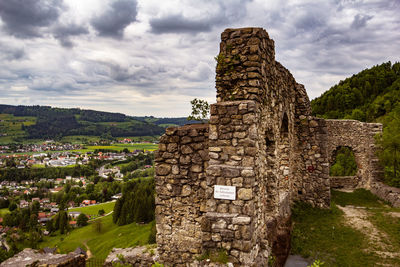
point(4, 212)
point(100, 243)
point(94, 209)
point(332, 236)
point(12, 127)
point(116, 147)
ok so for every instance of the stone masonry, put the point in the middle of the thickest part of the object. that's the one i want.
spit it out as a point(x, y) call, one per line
point(33, 258)
point(262, 140)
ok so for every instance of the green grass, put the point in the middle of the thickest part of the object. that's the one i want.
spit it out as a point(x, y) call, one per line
point(79, 139)
point(4, 212)
point(323, 234)
point(12, 126)
point(100, 244)
point(116, 147)
point(144, 146)
point(360, 197)
point(148, 138)
point(37, 166)
point(94, 209)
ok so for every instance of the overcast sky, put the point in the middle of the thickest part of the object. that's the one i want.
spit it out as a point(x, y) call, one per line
point(151, 57)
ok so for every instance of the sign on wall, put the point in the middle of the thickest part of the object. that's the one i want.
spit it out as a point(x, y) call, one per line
point(225, 192)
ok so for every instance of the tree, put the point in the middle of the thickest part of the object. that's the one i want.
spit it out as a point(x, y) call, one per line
point(62, 221)
point(35, 207)
point(117, 210)
point(50, 226)
point(101, 212)
point(13, 206)
point(200, 110)
point(82, 220)
point(390, 152)
point(345, 164)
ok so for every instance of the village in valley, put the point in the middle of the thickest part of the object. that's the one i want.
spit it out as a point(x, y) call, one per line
point(50, 179)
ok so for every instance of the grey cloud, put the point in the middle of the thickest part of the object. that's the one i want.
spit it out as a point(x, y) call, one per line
point(113, 21)
point(360, 21)
point(25, 19)
point(234, 11)
point(310, 22)
point(179, 24)
point(64, 32)
point(11, 53)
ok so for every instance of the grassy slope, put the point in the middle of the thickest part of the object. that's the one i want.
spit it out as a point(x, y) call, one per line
point(322, 234)
point(11, 125)
point(4, 212)
point(94, 209)
point(100, 244)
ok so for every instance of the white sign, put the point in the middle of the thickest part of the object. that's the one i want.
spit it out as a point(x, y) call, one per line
point(225, 192)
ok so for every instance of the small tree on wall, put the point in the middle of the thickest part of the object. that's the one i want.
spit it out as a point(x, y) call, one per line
point(200, 110)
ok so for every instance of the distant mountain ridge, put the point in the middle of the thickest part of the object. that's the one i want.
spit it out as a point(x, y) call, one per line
point(52, 122)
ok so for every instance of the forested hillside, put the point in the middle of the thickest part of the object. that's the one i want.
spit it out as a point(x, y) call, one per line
point(373, 95)
point(58, 122)
point(165, 122)
point(365, 96)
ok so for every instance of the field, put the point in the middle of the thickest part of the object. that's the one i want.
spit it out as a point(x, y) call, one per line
point(4, 212)
point(358, 230)
point(144, 146)
point(12, 127)
point(94, 209)
point(117, 147)
point(100, 244)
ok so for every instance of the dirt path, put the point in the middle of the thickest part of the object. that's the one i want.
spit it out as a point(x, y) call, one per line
point(88, 252)
point(357, 218)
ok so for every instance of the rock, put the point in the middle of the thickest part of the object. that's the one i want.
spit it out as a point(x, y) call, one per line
point(245, 194)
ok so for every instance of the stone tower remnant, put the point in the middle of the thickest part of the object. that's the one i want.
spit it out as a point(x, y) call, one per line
point(229, 184)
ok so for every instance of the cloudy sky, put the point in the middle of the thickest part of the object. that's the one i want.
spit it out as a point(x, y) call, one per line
point(151, 57)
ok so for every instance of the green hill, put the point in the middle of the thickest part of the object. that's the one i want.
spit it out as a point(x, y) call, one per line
point(365, 96)
point(373, 95)
point(19, 123)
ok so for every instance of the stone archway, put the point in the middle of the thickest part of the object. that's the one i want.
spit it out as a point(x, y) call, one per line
point(344, 172)
point(359, 137)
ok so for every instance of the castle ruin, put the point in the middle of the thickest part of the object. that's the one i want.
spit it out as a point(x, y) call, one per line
point(230, 184)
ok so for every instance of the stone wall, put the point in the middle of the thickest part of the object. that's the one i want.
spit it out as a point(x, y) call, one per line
point(32, 258)
point(180, 189)
point(233, 142)
point(134, 257)
point(387, 193)
point(261, 141)
point(344, 182)
point(311, 180)
point(360, 137)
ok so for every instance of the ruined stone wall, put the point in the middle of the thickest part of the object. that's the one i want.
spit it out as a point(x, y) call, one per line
point(228, 224)
point(311, 179)
point(180, 189)
point(262, 140)
point(344, 182)
point(32, 258)
point(387, 193)
point(360, 137)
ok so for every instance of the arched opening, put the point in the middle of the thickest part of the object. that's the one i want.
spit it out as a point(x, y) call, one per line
point(271, 181)
point(285, 126)
point(283, 154)
point(343, 162)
